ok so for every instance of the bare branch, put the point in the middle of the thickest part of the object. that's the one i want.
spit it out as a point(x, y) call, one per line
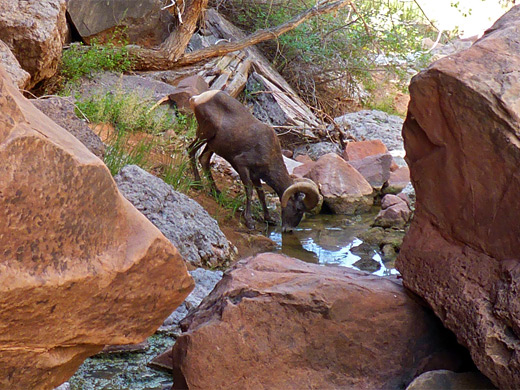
point(146, 59)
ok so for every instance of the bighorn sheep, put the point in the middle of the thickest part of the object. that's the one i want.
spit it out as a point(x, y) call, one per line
point(228, 129)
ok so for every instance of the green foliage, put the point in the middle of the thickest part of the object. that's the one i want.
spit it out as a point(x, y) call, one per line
point(129, 112)
point(339, 49)
point(80, 60)
point(121, 152)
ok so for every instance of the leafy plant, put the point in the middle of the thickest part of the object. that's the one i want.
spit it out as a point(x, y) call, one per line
point(331, 55)
point(80, 60)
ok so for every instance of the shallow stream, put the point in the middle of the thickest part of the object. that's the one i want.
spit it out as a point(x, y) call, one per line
point(332, 239)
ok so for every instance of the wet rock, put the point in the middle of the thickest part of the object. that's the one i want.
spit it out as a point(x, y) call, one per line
point(19, 76)
point(79, 263)
point(381, 237)
point(361, 149)
point(35, 32)
point(276, 322)
point(125, 348)
point(461, 252)
point(205, 281)
point(389, 253)
point(61, 111)
point(317, 150)
point(449, 380)
point(375, 169)
point(395, 212)
point(183, 221)
point(398, 180)
point(141, 21)
point(374, 125)
point(344, 189)
point(367, 265)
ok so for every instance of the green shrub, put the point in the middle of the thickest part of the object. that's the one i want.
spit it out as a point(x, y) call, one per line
point(80, 60)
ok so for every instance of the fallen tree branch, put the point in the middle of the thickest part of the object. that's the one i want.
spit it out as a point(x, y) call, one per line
point(149, 59)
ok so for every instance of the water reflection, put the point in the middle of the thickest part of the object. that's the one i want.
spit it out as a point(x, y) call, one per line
point(333, 240)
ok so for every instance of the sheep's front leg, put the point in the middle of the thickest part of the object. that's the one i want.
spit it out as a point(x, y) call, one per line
point(246, 179)
point(261, 195)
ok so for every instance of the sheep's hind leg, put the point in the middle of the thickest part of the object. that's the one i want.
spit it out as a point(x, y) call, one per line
point(205, 159)
point(248, 184)
point(192, 151)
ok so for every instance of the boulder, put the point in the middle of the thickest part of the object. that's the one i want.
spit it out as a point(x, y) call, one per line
point(316, 150)
point(141, 21)
point(344, 189)
point(395, 212)
point(462, 146)
point(11, 65)
point(187, 225)
point(61, 111)
point(80, 266)
point(374, 125)
point(375, 169)
point(361, 149)
point(449, 380)
point(398, 180)
point(35, 32)
point(275, 322)
point(205, 281)
point(110, 82)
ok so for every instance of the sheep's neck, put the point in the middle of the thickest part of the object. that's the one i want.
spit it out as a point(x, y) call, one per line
point(279, 181)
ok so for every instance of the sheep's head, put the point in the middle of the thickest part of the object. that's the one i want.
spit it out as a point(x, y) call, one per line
point(302, 196)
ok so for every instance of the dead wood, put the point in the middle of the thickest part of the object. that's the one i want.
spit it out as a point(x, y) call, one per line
point(171, 55)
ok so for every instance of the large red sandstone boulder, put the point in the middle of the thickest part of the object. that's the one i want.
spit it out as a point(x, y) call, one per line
point(35, 32)
point(80, 266)
point(462, 145)
point(344, 189)
point(275, 322)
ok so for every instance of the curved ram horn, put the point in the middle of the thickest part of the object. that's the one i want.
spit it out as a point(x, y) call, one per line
point(308, 187)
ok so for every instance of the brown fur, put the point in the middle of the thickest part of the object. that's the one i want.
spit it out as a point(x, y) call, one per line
point(228, 129)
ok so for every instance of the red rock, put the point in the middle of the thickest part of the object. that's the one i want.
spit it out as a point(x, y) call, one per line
point(80, 267)
point(399, 179)
point(395, 212)
point(188, 87)
point(375, 169)
point(462, 147)
point(361, 149)
point(304, 158)
point(275, 322)
point(344, 189)
point(304, 169)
